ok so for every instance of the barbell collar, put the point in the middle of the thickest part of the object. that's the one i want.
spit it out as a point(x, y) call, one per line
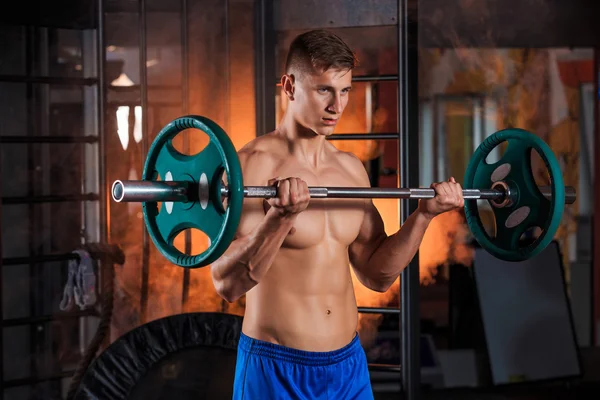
point(144, 191)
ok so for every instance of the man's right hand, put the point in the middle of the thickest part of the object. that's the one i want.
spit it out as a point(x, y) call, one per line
point(292, 196)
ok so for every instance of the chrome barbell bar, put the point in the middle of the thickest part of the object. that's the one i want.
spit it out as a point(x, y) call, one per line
point(179, 191)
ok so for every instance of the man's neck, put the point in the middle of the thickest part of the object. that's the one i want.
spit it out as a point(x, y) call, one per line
point(302, 143)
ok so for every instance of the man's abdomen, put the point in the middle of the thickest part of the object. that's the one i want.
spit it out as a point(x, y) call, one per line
point(305, 303)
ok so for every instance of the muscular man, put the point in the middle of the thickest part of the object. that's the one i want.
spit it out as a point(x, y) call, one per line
point(292, 254)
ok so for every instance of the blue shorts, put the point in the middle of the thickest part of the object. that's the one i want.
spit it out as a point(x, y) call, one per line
point(268, 371)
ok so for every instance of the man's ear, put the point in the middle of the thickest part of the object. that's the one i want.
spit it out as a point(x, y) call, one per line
point(288, 83)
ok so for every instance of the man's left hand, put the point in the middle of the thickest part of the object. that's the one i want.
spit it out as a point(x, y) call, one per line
point(448, 196)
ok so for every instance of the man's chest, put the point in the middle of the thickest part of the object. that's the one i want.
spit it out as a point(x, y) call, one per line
point(325, 218)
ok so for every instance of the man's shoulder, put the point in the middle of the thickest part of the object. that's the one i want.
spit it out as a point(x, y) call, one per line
point(348, 159)
point(260, 150)
point(351, 163)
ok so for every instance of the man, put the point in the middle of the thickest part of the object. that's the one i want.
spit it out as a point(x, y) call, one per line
point(291, 254)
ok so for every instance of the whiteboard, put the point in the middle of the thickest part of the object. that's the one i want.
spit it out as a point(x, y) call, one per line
point(526, 317)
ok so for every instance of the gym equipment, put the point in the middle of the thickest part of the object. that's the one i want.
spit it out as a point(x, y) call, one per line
point(183, 356)
point(526, 207)
point(192, 190)
point(220, 224)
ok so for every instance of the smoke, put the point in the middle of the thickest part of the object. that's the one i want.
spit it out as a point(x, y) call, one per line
point(165, 288)
point(126, 309)
point(203, 297)
point(445, 242)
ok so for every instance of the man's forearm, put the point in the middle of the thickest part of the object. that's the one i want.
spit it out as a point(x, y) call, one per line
point(396, 251)
point(249, 258)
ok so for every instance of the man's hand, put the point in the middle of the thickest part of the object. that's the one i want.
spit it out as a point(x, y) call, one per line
point(292, 196)
point(448, 196)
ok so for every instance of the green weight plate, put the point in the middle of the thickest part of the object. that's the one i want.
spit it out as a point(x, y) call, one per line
point(204, 170)
point(529, 208)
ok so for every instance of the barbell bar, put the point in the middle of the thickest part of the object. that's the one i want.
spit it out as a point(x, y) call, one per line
point(179, 191)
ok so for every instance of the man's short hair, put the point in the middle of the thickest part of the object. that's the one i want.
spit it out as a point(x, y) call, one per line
point(319, 50)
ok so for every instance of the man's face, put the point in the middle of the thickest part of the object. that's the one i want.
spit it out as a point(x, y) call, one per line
point(320, 98)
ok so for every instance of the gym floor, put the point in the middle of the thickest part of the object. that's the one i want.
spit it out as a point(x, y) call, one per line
point(87, 85)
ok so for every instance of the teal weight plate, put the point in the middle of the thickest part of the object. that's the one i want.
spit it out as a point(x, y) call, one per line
point(529, 208)
point(204, 171)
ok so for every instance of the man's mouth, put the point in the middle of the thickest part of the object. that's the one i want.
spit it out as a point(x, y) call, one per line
point(330, 121)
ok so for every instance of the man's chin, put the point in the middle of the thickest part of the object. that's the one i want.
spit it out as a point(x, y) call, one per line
point(325, 130)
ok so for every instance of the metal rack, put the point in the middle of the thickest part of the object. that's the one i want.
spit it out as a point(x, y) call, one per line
point(35, 260)
point(144, 151)
point(184, 111)
point(408, 161)
point(143, 87)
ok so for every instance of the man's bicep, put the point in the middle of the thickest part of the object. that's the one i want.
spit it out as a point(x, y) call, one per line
point(372, 231)
point(252, 175)
point(370, 236)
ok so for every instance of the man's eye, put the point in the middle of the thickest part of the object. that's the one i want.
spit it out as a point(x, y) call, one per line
point(322, 90)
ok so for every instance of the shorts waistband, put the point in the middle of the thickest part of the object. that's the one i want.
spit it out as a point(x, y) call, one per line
point(283, 353)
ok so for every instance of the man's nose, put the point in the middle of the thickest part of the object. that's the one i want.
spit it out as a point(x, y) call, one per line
point(336, 105)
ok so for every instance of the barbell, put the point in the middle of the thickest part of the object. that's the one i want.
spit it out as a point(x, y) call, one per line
point(193, 193)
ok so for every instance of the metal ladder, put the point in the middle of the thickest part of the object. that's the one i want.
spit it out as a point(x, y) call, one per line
point(408, 162)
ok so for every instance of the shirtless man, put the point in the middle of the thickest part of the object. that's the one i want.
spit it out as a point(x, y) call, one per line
point(291, 255)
